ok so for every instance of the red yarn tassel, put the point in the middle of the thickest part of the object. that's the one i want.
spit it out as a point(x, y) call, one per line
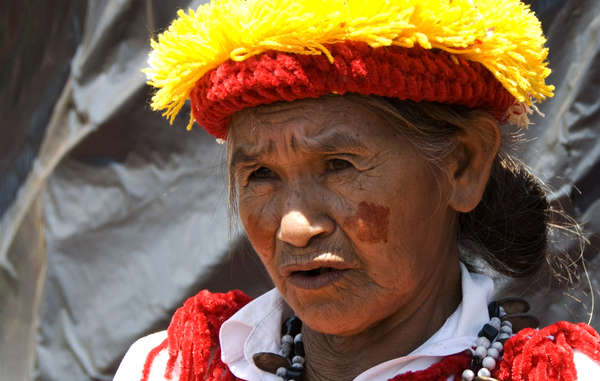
point(150, 359)
point(193, 334)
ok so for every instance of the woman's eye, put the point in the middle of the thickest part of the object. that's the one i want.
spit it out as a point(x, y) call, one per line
point(262, 173)
point(338, 164)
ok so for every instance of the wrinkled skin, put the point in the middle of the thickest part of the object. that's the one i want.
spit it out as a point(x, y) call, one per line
point(330, 182)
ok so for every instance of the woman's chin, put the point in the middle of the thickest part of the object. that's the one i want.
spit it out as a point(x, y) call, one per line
point(335, 303)
point(333, 317)
point(329, 325)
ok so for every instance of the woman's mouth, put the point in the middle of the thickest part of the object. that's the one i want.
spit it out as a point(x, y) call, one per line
point(315, 278)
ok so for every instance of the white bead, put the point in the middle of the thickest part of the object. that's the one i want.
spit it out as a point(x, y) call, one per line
point(468, 375)
point(281, 372)
point(483, 342)
point(488, 363)
point(287, 339)
point(498, 345)
point(493, 352)
point(480, 352)
point(507, 323)
point(297, 338)
point(484, 372)
point(495, 322)
point(506, 329)
point(502, 311)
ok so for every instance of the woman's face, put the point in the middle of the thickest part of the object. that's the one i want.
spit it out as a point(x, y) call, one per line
point(351, 223)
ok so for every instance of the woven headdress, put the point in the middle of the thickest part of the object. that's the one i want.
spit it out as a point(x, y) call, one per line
point(232, 54)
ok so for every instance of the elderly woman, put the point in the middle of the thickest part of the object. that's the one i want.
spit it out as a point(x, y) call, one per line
point(372, 179)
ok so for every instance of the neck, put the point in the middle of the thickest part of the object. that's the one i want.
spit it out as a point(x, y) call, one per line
point(331, 357)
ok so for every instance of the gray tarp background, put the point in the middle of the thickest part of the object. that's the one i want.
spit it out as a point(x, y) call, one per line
point(109, 218)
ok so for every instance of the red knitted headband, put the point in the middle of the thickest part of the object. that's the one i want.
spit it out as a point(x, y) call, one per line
point(405, 73)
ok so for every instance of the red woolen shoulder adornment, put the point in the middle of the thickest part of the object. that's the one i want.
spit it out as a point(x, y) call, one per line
point(193, 336)
point(530, 355)
point(547, 354)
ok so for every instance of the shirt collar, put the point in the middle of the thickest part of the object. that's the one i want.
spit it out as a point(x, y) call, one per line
point(256, 328)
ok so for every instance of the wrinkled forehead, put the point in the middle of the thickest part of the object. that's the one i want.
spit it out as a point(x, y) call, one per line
point(311, 117)
point(319, 111)
point(325, 125)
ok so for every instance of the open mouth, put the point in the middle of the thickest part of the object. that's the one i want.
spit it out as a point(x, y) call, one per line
point(315, 272)
point(315, 278)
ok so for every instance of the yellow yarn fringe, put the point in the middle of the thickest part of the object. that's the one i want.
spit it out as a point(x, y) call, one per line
point(503, 35)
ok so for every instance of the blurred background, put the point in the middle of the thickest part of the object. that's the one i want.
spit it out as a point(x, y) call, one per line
point(110, 218)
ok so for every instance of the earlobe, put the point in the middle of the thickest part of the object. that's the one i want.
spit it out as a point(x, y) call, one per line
point(471, 163)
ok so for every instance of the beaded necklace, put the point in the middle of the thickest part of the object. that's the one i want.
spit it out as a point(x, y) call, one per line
point(484, 356)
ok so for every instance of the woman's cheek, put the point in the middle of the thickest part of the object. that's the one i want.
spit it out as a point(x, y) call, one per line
point(261, 233)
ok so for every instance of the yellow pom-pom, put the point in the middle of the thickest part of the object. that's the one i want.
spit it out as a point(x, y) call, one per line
point(503, 35)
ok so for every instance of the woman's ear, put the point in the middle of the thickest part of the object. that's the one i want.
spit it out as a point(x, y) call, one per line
point(471, 162)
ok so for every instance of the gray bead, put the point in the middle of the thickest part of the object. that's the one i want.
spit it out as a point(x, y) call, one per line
point(286, 349)
point(506, 329)
point(298, 360)
point(489, 363)
point(503, 336)
point(287, 339)
point(298, 338)
point(498, 345)
point(502, 312)
point(484, 372)
point(468, 375)
point(495, 322)
point(483, 342)
point(507, 322)
point(480, 352)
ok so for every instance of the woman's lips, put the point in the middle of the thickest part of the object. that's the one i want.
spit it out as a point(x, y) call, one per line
point(315, 279)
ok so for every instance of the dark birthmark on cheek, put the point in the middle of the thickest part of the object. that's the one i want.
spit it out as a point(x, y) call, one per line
point(370, 222)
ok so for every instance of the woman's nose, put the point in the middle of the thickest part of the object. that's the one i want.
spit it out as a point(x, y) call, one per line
point(297, 229)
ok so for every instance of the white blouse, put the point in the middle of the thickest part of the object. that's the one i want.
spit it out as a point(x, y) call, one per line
point(256, 327)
